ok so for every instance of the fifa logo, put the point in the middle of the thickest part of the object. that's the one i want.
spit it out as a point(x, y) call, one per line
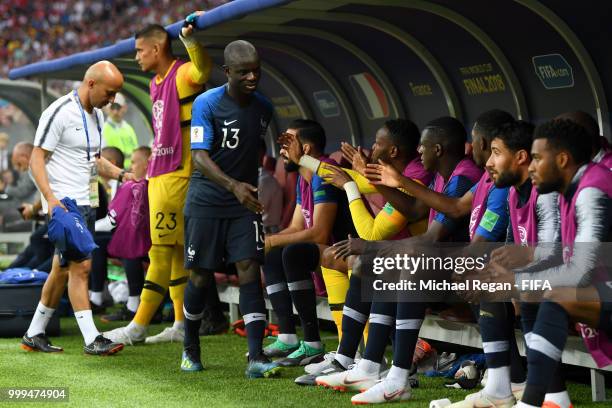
point(473, 217)
point(158, 113)
point(522, 235)
point(567, 253)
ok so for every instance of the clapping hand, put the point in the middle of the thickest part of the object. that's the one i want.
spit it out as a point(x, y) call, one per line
point(383, 174)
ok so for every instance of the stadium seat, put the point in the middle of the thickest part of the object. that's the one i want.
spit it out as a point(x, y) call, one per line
point(269, 163)
point(287, 182)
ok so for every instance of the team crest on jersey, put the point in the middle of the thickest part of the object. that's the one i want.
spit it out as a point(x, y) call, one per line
point(190, 253)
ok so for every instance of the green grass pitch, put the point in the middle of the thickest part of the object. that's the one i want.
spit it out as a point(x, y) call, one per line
point(149, 376)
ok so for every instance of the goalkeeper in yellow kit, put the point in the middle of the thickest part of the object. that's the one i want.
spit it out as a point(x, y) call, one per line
point(173, 89)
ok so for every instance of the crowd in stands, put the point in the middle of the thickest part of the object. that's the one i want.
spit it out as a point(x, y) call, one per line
point(33, 31)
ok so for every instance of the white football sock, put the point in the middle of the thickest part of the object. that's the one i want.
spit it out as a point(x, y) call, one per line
point(86, 323)
point(132, 303)
point(41, 318)
point(135, 329)
point(96, 298)
point(368, 366)
point(290, 339)
point(498, 383)
point(343, 360)
point(314, 344)
point(179, 325)
point(398, 375)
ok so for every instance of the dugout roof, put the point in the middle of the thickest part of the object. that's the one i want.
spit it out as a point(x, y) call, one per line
point(354, 64)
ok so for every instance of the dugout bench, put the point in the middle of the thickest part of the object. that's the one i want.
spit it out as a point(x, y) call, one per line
point(464, 334)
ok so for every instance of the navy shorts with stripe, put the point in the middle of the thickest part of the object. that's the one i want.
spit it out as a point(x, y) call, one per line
point(214, 243)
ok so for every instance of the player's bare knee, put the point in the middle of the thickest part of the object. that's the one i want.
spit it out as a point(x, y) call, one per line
point(79, 270)
point(327, 258)
point(59, 273)
point(561, 298)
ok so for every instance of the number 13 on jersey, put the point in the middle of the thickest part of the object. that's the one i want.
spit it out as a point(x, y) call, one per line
point(232, 143)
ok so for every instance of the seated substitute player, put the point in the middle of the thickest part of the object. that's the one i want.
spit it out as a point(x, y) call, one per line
point(562, 165)
point(487, 206)
point(534, 219)
point(396, 142)
point(600, 150)
point(222, 213)
point(320, 215)
point(442, 150)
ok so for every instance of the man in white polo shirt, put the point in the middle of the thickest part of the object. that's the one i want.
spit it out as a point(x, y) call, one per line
point(65, 163)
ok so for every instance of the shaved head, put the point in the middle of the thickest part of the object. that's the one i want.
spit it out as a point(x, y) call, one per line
point(239, 52)
point(23, 147)
point(101, 82)
point(104, 71)
point(242, 69)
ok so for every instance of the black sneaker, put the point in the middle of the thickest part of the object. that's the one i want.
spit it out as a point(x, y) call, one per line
point(122, 315)
point(40, 342)
point(332, 367)
point(102, 346)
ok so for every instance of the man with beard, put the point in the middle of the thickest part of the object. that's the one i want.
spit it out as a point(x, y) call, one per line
point(487, 205)
point(559, 164)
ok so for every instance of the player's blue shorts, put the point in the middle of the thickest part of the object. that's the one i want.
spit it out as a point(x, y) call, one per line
point(213, 243)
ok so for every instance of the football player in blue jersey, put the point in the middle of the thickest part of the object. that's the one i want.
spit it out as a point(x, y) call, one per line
point(222, 213)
